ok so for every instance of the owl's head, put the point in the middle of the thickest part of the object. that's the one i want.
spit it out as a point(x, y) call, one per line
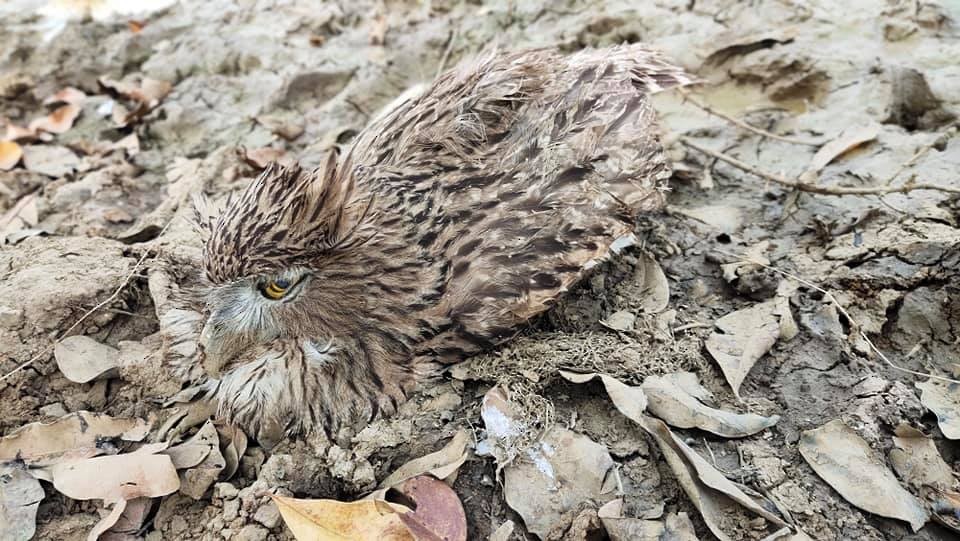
point(261, 256)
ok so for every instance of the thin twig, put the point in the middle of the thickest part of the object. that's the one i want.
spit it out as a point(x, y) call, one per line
point(741, 124)
point(949, 132)
point(815, 188)
point(830, 297)
point(46, 351)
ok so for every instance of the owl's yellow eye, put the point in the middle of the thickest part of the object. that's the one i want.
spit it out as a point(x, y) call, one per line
point(275, 289)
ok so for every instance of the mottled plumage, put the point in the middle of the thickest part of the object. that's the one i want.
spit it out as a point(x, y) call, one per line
point(451, 220)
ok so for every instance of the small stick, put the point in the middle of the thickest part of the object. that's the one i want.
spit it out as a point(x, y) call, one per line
point(741, 124)
point(829, 296)
point(814, 188)
point(46, 351)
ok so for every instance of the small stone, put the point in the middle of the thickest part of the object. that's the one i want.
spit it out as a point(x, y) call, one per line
point(251, 532)
point(364, 475)
point(178, 525)
point(225, 491)
point(231, 510)
point(10, 317)
point(53, 410)
point(268, 514)
point(870, 386)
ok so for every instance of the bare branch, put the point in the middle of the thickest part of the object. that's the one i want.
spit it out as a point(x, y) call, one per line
point(815, 188)
point(741, 124)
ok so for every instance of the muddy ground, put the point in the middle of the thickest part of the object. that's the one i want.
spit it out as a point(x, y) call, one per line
point(305, 76)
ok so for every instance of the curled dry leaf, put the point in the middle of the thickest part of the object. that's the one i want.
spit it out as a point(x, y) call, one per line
point(72, 436)
point(10, 154)
point(917, 460)
point(82, 359)
point(839, 456)
point(655, 288)
point(943, 399)
point(564, 469)
point(441, 464)
point(675, 398)
point(746, 336)
point(58, 121)
point(68, 95)
point(20, 496)
point(197, 478)
point(631, 401)
point(233, 444)
point(708, 489)
point(846, 141)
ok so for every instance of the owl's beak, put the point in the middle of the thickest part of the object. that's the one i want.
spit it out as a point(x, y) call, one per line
point(211, 345)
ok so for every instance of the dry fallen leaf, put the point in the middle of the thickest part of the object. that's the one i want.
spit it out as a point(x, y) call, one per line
point(631, 401)
point(82, 359)
point(51, 160)
point(563, 470)
point(655, 288)
point(330, 520)
point(233, 444)
point(747, 335)
point(200, 475)
point(839, 456)
point(115, 478)
point(917, 460)
point(58, 121)
point(709, 490)
point(75, 435)
point(846, 141)
point(130, 519)
point(10, 154)
point(20, 496)
point(504, 532)
point(441, 464)
point(68, 95)
point(676, 527)
point(675, 398)
point(19, 133)
point(437, 514)
point(261, 157)
point(620, 321)
point(943, 399)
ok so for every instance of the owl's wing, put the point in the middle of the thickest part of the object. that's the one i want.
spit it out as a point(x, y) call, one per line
point(515, 174)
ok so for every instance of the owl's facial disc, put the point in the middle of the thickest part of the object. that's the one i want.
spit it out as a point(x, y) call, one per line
point(244, 314)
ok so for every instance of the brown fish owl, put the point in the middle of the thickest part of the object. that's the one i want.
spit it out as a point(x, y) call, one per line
point(453, 218)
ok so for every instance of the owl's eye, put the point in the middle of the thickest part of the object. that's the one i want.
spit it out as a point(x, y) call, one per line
point(275, 289)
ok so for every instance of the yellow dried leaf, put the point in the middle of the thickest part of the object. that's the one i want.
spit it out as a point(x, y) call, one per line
point(330, 520)
point(10, 154)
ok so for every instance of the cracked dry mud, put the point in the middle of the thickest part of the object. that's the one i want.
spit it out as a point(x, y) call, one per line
point(305, 77)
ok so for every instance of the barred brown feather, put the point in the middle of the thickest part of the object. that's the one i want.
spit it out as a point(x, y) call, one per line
point(451, 220)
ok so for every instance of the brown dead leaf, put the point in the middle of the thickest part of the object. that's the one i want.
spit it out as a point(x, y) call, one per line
point(59, 121)
point(675, 398)
point(631, 401)
point(746, 336)
point(438, 513)
point(441, 464)
point(82, 359)
point(24, 135)
point(197, 478)
point(655, 288)
point(917, 460)
point(330, 520)
point(564, 469)
point(136, 26)
point(20, 496)
point(10, 154)
point(233, 444)
point(67, 95)
point(145, 93)
point(261, 157)
point(846, 141)
point(943, 399)
point(842, 459)
point(75, 435)
point(115, 478)
point(709, 490)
